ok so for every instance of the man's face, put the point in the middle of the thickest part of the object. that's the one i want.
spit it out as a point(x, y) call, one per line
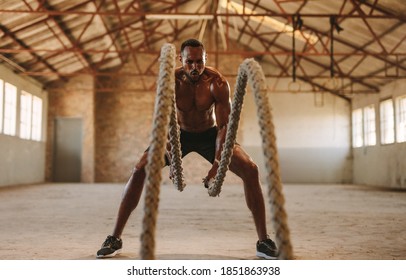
point(193, 61)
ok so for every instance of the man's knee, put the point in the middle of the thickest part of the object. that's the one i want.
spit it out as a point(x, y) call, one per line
point(140, 166)
point(252, 168)
point(249, 170)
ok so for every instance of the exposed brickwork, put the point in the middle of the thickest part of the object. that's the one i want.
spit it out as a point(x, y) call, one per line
point(74, 98)
point(123, 126)
point(117, 124)
point(124, 122)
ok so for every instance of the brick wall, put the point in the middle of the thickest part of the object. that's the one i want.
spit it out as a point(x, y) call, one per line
point(123, 126)
point(118, 114)
point(74, 98)
point(124, 122)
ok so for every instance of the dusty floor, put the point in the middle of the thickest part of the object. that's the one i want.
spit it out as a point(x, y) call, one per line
point(70, 221)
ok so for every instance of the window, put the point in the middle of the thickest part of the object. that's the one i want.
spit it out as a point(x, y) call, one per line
point(30, 115)
point(10, 109)
point(401, 119)
point(369, 126)
point(1, 104)
point(36, 128)
point(357, 140)
point(25, 115)
point(387, 122)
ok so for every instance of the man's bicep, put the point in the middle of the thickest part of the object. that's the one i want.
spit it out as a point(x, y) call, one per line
point(223, 106)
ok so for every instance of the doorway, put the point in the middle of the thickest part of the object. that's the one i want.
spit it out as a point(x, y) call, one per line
point(67, 164)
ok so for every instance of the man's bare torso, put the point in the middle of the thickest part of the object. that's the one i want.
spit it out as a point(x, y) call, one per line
point(195, 101)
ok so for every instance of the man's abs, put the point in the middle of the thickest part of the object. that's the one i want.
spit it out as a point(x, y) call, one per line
point(195, 122)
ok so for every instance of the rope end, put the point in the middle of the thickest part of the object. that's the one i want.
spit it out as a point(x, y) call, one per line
point(212, 188)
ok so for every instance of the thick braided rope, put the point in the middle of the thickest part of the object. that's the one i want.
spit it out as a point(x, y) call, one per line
point(275, 195)
point(163, 106)
point(231, 134)
point(251, 70)
point(176, 153)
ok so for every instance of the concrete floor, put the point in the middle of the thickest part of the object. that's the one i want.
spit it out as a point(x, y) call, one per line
point(70, 221)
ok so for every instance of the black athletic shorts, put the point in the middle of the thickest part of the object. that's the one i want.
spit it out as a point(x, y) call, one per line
point(203, 143)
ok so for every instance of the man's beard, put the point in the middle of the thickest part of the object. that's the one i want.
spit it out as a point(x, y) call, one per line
point(194, 75)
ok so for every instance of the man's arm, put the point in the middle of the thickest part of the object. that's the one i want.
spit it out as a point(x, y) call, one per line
point(221, 93)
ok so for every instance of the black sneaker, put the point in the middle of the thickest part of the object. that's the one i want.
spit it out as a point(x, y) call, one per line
point(111, 247)
point(267, 249)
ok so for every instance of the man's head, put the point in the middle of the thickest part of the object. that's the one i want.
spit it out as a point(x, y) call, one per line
point(193, 58)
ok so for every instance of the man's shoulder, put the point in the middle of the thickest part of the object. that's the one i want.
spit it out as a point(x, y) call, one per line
point(213, 72)
point(179, 71)
point(214, 75)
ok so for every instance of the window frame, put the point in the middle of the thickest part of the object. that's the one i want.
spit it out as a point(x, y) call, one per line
point(37, 118)
point(357, 128)
point(10, 109)
point(1, 104)
point(400, 119)
point(25, 115)
point(369, 125)
point(387, 122)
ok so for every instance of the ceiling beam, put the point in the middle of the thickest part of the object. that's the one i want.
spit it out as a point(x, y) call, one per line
point(66, 31)
point(21, 43)
point(194, 15)
point(225, 52)
point(321, 65)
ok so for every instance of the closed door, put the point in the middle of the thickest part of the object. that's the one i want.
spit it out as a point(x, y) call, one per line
point(67, 150)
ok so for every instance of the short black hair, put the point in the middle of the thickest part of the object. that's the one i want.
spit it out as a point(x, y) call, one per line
point(191, 43)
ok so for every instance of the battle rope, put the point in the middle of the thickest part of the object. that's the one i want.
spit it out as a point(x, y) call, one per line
point(250, 69)
point(165, 108)
point(176, 153)
point(156, 153)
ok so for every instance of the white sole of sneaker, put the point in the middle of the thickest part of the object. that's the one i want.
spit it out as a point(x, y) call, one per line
point(264, 256)
point(109, 256)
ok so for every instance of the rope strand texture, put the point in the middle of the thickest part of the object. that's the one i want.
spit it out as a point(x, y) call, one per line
point(165, 114)
point(176, 153)
point(252, 71)
point(162, 112)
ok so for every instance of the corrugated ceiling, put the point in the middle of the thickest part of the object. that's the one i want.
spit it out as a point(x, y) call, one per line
point(56, 39)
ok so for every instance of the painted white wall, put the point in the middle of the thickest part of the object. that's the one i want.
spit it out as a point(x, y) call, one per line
point(380, 165)
point(313, 136)
point(22, 161)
